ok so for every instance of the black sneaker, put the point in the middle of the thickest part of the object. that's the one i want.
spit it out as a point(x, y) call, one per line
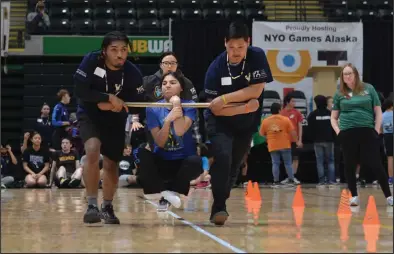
point(163, 205)
point(64, 182)
point(92, 215)
point(219, 218)
point(74, 183)
point(108, 215)
point(363, 183)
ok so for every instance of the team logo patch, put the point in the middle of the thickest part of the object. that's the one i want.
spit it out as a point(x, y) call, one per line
point(157, 92)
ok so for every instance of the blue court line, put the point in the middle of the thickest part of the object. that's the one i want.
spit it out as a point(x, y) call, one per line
point(202, 231)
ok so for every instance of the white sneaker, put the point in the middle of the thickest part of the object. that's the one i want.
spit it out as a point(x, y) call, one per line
point(285, 181)
point(172, 198)
point(296, 181)
point(390, 201)
point(354, 201)
point(375, 182)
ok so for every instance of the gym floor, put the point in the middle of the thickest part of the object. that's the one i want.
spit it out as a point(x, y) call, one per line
point(50, 220)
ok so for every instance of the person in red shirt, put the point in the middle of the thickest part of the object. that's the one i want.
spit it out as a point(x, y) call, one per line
point(296, 119)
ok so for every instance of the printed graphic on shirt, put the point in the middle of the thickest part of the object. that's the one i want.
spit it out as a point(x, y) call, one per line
point(36, 160)
point(174, 142)
point(157, 92)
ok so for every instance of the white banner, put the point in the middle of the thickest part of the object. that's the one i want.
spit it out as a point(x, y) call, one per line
point(293, 47)
point(5, 27)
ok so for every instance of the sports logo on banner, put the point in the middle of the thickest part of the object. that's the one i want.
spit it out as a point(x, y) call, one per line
point(293, 47)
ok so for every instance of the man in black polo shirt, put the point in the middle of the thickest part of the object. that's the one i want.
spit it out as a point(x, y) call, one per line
point(239, 74)
point(103, 82)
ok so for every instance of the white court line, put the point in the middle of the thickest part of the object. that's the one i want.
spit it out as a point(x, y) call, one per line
point(202, 231)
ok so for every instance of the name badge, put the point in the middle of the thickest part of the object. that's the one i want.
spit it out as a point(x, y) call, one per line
point(226, 81)
point(99, 72)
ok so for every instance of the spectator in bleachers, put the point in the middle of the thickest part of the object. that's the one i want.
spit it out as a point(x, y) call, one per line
point(127, 172)
point(38, 21)
point(387, 126)
point(296, 118)
point(36, 163)
point(357, 106)
point(173, 162)
point(8, 166)
point(44, 127)
point(60, 119)
point(322, 135)
point(66, 166)
point(279, 132)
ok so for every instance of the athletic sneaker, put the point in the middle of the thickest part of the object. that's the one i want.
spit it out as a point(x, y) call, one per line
point(3, 186)
point(285, 181)
point(354, 201)
point(219, 218)
point(172, 198)
point(64, 182)
point(321, 185)
point(203, 185)
point(295, 180)
point(74, 183)
point(108, 215)
point(163, 205)
point(92, 215)
point(375, 182)
point(390, 201)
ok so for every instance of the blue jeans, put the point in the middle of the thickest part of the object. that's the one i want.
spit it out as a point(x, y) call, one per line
point(325, 153)
point(287, 160)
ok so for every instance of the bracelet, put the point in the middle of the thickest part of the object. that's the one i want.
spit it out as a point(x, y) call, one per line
point(224, 99)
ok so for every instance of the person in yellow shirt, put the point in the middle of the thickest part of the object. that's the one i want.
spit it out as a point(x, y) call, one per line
point(279, 133)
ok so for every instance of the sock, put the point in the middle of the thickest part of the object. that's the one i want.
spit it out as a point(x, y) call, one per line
point(92, 201)
point(357, 176)
point(106, 202)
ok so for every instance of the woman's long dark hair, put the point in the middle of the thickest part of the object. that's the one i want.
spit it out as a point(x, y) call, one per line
point(178, 75)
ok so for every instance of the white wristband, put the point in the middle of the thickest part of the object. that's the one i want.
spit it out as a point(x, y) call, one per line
point(135, 118)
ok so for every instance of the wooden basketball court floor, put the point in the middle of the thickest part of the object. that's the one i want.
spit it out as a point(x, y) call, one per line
point(50, 220)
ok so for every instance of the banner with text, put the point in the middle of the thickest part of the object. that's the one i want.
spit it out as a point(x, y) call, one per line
point(81, 45)
point(293, 47)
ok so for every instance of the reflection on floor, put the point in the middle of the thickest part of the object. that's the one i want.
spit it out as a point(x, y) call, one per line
point(261, 220)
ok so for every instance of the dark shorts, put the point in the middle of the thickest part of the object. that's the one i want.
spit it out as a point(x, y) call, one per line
point(294, 150)
point(112, 137)
point(388, 143)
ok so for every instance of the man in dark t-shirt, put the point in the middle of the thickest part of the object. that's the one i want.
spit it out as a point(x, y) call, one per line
point(104, 81)
point(238, 75)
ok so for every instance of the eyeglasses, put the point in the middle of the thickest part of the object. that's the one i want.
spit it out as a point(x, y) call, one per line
point(167, 64)
point(348, 73)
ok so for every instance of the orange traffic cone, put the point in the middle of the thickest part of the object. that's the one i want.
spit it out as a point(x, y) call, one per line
point(298, 200)
point(256, 192)
point(371, 215)
point(344, 204)
point(249, 190)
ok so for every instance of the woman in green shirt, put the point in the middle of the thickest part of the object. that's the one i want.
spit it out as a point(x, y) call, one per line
point(357, 106)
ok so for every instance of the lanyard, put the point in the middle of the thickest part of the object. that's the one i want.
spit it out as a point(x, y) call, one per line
point(242, 71)
point(117, 90)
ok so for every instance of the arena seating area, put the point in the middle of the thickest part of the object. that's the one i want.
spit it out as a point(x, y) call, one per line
point(152, 16)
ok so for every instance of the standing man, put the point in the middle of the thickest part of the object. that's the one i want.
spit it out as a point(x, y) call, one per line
point(103, 82)
point(239, 74)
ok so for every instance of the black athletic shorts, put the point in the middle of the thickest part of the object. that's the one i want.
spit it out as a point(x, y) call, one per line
point(388, 143)
point(112, 136)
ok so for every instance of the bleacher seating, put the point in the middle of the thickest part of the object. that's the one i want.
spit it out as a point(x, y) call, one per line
point(142, 16)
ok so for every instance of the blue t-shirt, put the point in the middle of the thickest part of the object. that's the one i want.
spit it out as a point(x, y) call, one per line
point(217, 79)
point(93, 73)
point(387, 122)
point(205, 163)
point(60, 115)
point(176, 148)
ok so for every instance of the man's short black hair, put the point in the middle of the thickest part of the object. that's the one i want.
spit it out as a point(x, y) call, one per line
point(237, 30)
point(387, 103)
point(275, 108)
point(288, 98)
point(114, 36)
